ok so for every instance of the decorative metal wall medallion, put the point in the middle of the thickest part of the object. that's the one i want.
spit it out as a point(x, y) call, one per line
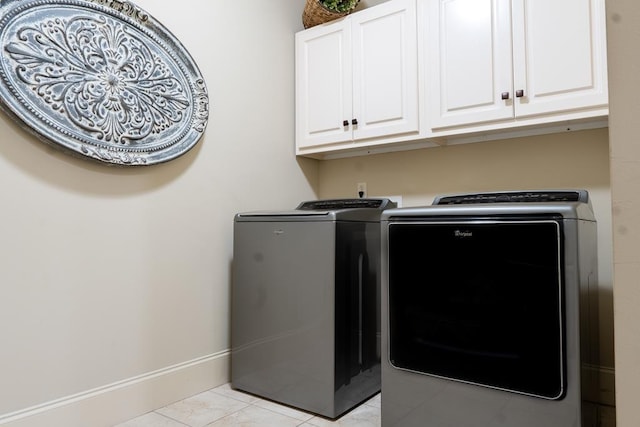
point(100, 78)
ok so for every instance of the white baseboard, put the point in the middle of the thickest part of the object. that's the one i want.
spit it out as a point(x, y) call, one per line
point(114, 403)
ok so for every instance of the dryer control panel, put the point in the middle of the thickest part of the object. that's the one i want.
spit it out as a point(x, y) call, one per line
point(515, 197)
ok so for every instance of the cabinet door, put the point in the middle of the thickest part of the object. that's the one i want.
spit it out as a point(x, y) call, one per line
point(385, 70)
point(323, 85)
point(468, 61)
point(559, 55)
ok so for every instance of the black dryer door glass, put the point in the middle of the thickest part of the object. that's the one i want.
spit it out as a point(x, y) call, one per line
point(479, 302)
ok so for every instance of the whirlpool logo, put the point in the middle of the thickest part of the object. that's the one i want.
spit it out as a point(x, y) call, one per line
point(463, 233)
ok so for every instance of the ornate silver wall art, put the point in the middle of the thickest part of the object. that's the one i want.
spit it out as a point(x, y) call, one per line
point(101, 78)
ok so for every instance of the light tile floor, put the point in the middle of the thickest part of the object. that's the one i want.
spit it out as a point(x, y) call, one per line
point(223, 406)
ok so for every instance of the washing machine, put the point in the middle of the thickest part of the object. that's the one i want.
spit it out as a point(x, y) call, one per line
point(490, 311)
point(305, 304)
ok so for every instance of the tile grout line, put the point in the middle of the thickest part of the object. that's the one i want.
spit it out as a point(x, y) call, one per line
point(257, 399)
point(170, 418)
point(247, 404)
point(248, 400)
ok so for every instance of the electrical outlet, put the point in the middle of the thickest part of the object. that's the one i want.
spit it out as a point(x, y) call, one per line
point(362, 189)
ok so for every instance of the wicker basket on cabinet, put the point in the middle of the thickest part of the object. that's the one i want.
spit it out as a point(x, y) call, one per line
point(315, 13)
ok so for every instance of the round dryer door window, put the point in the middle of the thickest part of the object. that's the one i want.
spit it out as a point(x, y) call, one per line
point(101, 79)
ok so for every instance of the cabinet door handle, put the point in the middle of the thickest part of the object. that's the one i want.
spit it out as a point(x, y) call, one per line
point(505, 95)
point(354, 122)
point(519, 93)
point(345, 123)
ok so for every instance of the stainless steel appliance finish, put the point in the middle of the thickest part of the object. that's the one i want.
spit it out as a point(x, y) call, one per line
point(305, 304)
point(489, 307)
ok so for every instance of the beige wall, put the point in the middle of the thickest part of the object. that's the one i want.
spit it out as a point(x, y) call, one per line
point(624, 82)
point(568, 160)
point(110, 274)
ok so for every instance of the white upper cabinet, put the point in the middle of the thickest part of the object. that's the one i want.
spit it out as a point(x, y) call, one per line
point(357, 78)
point(492, 61)
point(559, 53)
point(323, 84)
point(416, 73)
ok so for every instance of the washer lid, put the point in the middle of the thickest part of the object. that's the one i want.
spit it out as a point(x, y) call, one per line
point(325, 210)
point(100, 78)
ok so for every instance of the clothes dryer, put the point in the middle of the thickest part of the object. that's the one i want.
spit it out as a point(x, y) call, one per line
point(490, 311)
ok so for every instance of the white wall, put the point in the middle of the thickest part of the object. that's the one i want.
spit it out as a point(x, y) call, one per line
point(113, 279)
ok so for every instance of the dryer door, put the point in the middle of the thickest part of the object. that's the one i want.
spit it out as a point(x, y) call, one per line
point(479, 301)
